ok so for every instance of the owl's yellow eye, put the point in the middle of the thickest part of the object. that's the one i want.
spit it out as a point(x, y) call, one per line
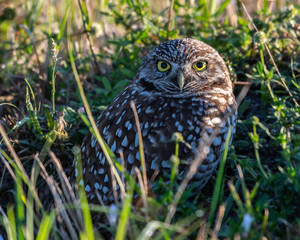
point(163, 66)
point(200, 66)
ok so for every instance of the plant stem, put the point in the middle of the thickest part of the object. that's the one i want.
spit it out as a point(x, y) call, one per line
point(53, 86)
point(170, 18)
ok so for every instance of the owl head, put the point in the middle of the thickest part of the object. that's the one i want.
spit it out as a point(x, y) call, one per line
point(183, 67)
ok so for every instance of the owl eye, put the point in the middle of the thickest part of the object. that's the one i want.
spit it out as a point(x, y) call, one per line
point(163, 66)
point(200, 66)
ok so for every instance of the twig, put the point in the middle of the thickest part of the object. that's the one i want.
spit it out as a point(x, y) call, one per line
point(243, 92)
point(242, 83)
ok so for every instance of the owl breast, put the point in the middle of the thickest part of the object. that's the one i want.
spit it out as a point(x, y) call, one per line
point(159, 118)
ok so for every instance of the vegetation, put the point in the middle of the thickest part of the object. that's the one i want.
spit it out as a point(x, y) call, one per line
point(50, 51)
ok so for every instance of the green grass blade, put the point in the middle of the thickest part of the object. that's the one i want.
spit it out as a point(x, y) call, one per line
point(221, 8)
point(63, 25)
point(29, 217)
point(87, 218)
point(125, 213)
point(12, 105)
point(10, 223)
point(33, 115)
point(90, 116)
point(46, 226)
point(212, 7)
point(20, 211)
point(50, 138)
point(151, 227)
point(217, 187)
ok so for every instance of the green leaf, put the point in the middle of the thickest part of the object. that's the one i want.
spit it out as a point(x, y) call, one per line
point(295, 84)
point(260, 68)
point(121, 84)
point(127, 73)
point(151, 26)
point(33, 115)
point(50, 122)
point(105, 82)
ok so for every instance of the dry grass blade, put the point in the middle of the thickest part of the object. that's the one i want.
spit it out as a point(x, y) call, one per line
point(3, 174)
point(8, 168)
point(154, 175)
point(90, 116)
point(11, 234)
point(203, 150)
point(53, 186)
point(33, 43)
point(219, 221)
point(237, 237)
point(141, 148)
point(19, 164)
point(66, 186)
point(122, 194)
point(67, 190)
point(85, 15)
point(243, 92)
point(271, 57)
point(139, 175)
point(202, 233)
point(114, 186)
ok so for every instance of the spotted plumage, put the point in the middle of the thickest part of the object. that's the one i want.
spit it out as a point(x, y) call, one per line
point(182, 86)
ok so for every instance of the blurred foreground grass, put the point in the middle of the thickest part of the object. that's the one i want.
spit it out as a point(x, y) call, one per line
point(45, 44)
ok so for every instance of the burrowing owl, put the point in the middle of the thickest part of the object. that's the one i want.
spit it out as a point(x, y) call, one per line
point(182, 86)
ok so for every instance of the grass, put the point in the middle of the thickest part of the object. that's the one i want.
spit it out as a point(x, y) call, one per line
point(57, 58)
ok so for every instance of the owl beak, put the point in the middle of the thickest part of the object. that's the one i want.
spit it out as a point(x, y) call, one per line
point(180, 80)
